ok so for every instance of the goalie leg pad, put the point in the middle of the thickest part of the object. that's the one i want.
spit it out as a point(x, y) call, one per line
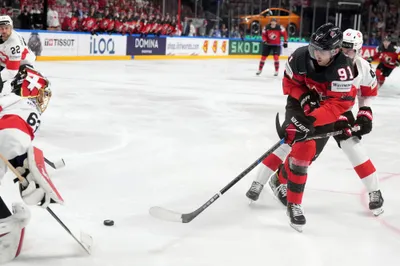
point(12, 230)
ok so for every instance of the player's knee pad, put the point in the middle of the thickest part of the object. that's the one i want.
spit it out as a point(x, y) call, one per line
point(12, 231)
point(276, 58)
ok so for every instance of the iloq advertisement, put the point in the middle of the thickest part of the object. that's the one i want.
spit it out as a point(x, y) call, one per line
point(146, 46)
point(101, 45)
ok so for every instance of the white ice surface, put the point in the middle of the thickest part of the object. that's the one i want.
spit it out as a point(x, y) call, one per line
point(137, 134)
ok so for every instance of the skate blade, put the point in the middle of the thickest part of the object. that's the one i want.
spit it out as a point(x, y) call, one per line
point(377, 212)
point(297, 227)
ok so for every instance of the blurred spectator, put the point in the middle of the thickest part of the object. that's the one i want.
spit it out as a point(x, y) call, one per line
point(37, 17)
point(192, 29)
point(224, 31)
point(235, 33)
point(25, 19)
point(53, 23)
point(79, 11)
point(66, 24)
point(215, 32)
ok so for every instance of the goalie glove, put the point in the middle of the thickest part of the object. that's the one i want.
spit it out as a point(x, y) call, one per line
point(39, 189)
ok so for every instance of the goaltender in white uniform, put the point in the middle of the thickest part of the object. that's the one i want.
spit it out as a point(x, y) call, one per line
point(14, 52)
point(22, 101)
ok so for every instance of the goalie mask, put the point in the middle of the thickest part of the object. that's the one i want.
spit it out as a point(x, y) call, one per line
point(29, 83)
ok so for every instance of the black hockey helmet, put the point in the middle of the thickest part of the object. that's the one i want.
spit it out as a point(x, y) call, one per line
point(327, 37)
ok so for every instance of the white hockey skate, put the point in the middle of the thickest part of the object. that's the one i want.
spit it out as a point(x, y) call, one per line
point(376, 202)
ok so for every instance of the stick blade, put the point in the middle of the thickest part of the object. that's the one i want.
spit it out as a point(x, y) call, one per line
point(59, 164)
point(166, 215)
point(87, 242)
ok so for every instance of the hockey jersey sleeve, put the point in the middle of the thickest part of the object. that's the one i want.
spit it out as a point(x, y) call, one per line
point(284, 34)
point(12, 53)
point(293, 83)
point(378, 51)
point(368, 84)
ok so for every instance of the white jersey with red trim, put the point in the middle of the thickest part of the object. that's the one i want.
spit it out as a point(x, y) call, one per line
point(365, 82)
point(13, 53)
point(19, 119)
point(12, 104)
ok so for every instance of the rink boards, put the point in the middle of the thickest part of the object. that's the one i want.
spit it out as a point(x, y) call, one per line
point(66, 46)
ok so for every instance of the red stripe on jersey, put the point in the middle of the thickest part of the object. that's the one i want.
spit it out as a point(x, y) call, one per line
point(14, 121)
point(272, 162)
point(369, 91)
point(13, 65)
point(24, 53)
point(365, 169)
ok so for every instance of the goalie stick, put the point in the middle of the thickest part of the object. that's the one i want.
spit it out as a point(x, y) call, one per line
point(86, 241)
point(55, 165)
point(168, 215)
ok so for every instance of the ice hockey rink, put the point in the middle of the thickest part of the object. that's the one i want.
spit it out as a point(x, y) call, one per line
point(137, 134)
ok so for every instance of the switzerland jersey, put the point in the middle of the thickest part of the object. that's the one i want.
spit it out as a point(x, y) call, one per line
point(272, 36)
point(13, 53)
point(365, 82)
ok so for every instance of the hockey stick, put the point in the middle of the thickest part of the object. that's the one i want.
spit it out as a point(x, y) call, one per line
point(168, 215)
point(172, 216)
point(320, 136)
point(55, 165)
point(86, 240)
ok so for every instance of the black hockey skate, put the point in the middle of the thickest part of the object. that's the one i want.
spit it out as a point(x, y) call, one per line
point(297, 219)
point(279, 190)
point(376, 202)
point(254, 191)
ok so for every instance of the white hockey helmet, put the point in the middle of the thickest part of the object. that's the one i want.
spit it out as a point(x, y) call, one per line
point(352, 39)
point(6, 20)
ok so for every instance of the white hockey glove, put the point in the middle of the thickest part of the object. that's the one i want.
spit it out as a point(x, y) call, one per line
point(40, 190)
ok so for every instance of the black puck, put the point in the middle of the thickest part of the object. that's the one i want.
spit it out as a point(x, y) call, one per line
point(108, 222)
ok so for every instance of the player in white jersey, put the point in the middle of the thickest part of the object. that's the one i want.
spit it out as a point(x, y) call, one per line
point(14, 52)
point(19, 120)
point(367, 87)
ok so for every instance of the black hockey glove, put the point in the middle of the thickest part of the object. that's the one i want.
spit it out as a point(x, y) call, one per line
point(343, 124)
point(298, 128)
point(284, 44)
point(309, 101)
point(364, 121)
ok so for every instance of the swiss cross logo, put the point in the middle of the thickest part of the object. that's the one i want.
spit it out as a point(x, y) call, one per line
point(348, 34)
point(359, 34)
point(32, 83)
